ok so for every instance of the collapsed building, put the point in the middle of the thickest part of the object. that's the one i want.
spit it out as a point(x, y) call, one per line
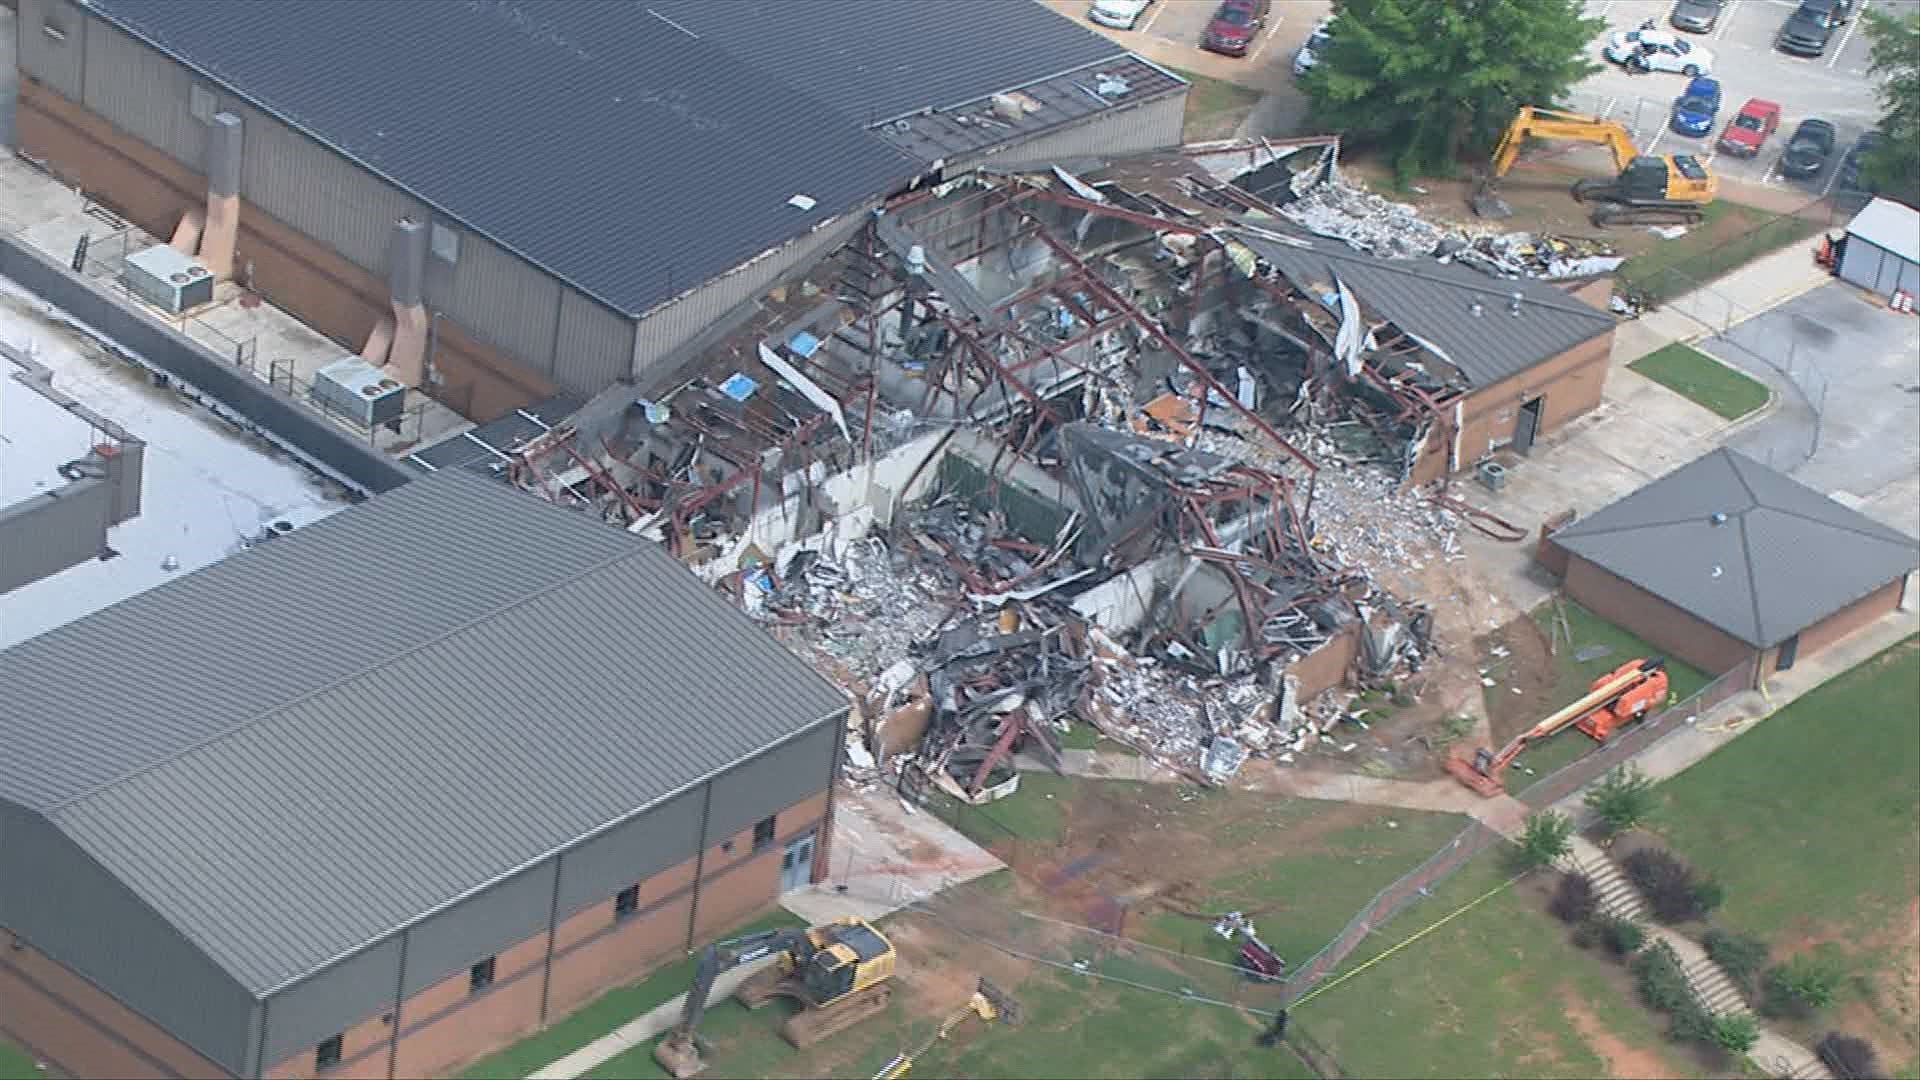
point(1043, 447)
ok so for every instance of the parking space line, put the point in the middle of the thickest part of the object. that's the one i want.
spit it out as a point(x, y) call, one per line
point(1654, 143)
point(1611, 102)
point(1726, 17)
point(1153, 13)
point(1833, 173)
point(1766, 177)
point(1847, 34)
point(1266, 39)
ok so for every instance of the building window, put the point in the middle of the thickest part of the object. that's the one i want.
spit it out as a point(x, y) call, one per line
point(327, 1054)
point(627, 902)
point(201, 103)
point(444, 242)
point(763, 834)
point(480, 975)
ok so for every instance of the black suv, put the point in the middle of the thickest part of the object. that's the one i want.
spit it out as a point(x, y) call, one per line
point(1808, 150)
point(1807, 31)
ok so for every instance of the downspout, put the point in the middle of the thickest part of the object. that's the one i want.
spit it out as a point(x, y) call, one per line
point(553, 923)
point(399, 997)
point(1453, 446)
point(822, 868)
point(700, 861)
point(260, 1055)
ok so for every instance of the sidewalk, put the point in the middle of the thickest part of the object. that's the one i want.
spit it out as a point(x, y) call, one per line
point(1766, 282)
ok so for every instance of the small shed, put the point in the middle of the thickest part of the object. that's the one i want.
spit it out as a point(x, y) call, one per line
point(1882, 252)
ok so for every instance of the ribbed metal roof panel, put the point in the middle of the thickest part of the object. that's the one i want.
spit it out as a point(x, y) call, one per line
point(598, 140)
point(1435, 301)
point(568, 676)
point(1784, 557)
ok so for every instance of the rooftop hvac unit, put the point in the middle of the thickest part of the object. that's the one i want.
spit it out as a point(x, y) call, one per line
point(355, 390)
point(167, 279)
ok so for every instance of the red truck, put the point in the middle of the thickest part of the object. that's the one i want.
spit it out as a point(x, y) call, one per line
point(1749, 128)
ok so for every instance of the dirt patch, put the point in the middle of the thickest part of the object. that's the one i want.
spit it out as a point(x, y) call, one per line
point(1517, 657)
point(1624, 1060)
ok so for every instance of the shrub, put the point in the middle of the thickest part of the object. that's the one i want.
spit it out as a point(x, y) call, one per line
point(1574, 899)
point(1547, 836)
point(1741, 956)
point(1850, 1057)
point(1798, 987)
point(1691, 1023)
point(1734, 1032)
point(1621, 800)
point(1586, 934)
point(1658, 977)
point(1623, 937)
point(1669, 884)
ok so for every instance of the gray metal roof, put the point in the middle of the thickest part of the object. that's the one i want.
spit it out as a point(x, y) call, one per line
point(1890, 225)
point(880, 59)
point(597, 140)
point(1434, 301)
point(1785, 557)
point(312, 743)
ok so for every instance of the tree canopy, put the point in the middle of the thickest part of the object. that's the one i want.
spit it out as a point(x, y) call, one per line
point(1893, 168)
point(1429, 80)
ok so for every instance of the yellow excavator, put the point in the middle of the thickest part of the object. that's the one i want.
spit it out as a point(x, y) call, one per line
point(838, 973)
point(1649, 190)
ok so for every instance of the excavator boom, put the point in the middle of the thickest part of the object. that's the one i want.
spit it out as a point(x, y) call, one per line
point(1532, 123)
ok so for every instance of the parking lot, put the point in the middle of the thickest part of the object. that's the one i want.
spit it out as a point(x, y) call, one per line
point(1834, 87)
point(1169, 33)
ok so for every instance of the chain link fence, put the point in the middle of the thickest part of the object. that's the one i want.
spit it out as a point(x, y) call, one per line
point(1639, 738)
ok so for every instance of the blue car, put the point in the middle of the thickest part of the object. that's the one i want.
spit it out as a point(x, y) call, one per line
point(1693, 111)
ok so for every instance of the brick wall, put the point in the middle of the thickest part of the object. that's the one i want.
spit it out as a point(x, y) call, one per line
point(80, 1030)
point(1855, 616)
point(1663, 625)
point(446, 1026)
point(1569, 385)
point(298, 274)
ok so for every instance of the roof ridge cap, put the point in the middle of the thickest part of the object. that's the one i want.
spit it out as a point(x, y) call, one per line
point(52, 810)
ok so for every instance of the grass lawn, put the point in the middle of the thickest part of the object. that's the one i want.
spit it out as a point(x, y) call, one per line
point(1033, 813)
point(1808, 821)
point(1703, 380)
point(1732, 236)
point(1300, 901)
point(17, 1064)
point(598, 1017)
point(1573, 677)
point(1499, 991)
point(1215, 107)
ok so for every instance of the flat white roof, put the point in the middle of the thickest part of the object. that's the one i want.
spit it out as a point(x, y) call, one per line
point(206, 489)
point(1890, 225)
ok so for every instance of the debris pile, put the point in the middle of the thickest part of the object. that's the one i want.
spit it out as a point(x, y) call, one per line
point(1522, 254)
point(1364, 221)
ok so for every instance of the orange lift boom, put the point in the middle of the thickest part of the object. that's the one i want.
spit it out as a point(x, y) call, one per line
point(1616, 699)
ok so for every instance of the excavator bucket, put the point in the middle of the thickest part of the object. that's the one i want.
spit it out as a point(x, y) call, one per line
point(679, 1054)
point(992, 1003)
point(1483, 785)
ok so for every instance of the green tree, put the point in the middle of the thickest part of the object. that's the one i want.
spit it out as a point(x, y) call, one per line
point(1893, 168)
point(1547, 836)
point(1621, 800)
point(1430, 80)
point(1735, 1032)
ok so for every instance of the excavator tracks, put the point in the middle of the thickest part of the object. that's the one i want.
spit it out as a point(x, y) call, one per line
point(1663, 214)
point(809, 1026)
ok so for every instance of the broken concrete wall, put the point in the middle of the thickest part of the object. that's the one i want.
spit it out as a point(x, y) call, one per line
point(1326, 667)
point(1120, 603)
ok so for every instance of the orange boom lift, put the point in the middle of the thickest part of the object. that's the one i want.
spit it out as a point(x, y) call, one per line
point(1617, 699)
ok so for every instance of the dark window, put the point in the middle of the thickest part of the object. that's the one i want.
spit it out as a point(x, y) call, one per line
point(327, 1054)
point(627, 902)
point(762, 833)
point(480, 975)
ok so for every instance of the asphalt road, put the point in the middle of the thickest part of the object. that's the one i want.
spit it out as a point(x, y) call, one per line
point(1834, 87)
point(1847, 372)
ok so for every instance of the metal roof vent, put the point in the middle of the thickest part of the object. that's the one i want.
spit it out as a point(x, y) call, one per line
point(1477, 308)
point(1718, 518)
point(1513, 303)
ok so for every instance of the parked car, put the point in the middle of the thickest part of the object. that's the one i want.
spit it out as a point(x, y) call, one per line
point(1657, 50)
point(1808, 150)
point(1235, 26)
point(1695, 110)
point(1807, 31)
point(1750, 128)
point(1849, 179)
point(1119, 14)
point(1695, 16)
point(1316, 43)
